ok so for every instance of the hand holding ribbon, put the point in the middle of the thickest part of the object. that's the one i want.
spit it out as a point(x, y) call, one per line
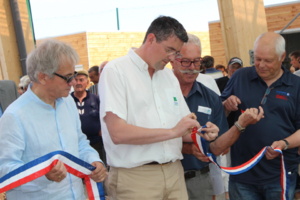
point(43, 165)
point(209, 131)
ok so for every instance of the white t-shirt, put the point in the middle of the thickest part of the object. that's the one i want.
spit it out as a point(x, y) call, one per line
point(297, 72)
point(127, 90)
point(209, 82)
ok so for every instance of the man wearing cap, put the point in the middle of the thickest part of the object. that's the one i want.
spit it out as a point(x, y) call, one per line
point(88, 109)
point(234, 64)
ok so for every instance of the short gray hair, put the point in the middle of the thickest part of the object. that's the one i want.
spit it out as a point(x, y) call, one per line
point(279, 44)
point(193, 39)
point(47, 58)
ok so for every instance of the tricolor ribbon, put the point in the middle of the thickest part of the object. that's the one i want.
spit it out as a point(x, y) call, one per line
point(41, 166)
point(199, 142)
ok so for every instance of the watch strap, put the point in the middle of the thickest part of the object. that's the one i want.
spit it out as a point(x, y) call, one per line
point(286, 144)
point(239, 127)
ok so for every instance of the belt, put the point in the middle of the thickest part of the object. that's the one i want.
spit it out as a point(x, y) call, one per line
point(192, 173)
point(157, 163)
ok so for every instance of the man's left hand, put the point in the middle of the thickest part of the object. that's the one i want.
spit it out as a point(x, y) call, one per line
point(100, 173)
point(270, 153)
point(211, 132)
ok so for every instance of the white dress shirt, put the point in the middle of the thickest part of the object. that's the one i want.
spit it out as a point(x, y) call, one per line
point(127, 90)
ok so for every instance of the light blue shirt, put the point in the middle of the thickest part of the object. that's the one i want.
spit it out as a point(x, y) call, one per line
point(30, 128)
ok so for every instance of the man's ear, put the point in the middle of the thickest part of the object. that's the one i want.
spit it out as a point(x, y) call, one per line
point(151, 38)
point(42, 78)
point(283, 57)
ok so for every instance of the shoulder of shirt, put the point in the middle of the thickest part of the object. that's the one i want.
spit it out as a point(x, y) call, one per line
point(205, 76)
point(207, 90)
point(94, 96)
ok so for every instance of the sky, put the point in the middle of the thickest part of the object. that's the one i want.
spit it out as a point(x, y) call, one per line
point(53, 18)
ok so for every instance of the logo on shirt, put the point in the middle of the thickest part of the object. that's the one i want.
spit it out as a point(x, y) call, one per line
point(175, 101)
point(81, 111)
point(282, 95)
point(80, 104)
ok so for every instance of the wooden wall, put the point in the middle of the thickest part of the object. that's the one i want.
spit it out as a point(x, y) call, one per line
point(217, 43)
point(95, 47)
point(10, 66)
point(104, 46)
point(79, 42)
point(277, 18)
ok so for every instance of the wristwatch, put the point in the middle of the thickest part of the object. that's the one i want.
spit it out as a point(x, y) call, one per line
point(239, 127)
point(286, 144)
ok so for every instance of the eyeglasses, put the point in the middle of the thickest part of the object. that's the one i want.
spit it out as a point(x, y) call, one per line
point(264, 99)
point(68, 79)
point(187, 63)
point(171, 52)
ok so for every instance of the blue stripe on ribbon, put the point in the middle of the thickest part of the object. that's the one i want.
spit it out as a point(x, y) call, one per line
point(47, 157)
point(245, 167)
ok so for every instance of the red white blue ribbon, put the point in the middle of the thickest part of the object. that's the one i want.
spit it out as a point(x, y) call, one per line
point(199, 142)
point(41, 166)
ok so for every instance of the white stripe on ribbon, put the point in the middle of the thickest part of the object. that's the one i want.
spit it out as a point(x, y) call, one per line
point(41, 166)
point(247, 165)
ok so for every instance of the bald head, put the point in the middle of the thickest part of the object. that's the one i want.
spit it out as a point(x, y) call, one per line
point(269, 53)
point(272, 42)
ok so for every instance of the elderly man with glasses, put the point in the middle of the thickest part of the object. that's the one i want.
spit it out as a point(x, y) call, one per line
point(43, 120)
point(208, 108)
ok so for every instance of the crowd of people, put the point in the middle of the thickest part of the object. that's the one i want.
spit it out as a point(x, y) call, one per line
point(134, 123)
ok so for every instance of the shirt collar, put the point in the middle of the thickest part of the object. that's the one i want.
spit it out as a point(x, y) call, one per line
point(196, 88)
point(32, 95)
point(137, 60)
point(284, 79)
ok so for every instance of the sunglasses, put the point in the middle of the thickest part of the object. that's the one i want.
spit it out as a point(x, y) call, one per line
point(68, 79)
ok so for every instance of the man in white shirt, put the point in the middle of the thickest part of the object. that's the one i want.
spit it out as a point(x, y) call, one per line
point(144, 118)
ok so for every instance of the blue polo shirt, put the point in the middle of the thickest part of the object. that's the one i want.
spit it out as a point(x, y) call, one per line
point(282, 118)
point(88, 111)
point(207, 106)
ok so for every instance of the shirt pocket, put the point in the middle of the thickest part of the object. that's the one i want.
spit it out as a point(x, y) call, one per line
point(172, 102)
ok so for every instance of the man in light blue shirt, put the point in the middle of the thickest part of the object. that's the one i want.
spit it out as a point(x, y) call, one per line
point(43, 120)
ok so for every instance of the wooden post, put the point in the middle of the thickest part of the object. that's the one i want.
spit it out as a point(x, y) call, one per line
point(10, 66)
point(241, 22)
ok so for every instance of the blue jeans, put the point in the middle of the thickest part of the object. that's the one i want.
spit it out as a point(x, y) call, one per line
point(241, 191)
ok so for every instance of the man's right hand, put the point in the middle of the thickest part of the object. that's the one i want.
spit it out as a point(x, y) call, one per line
point(186, 124)
point(231, 103)
point(251, 116)
point(57, 173)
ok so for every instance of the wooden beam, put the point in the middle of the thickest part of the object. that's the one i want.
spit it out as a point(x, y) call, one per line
point(241, 22)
